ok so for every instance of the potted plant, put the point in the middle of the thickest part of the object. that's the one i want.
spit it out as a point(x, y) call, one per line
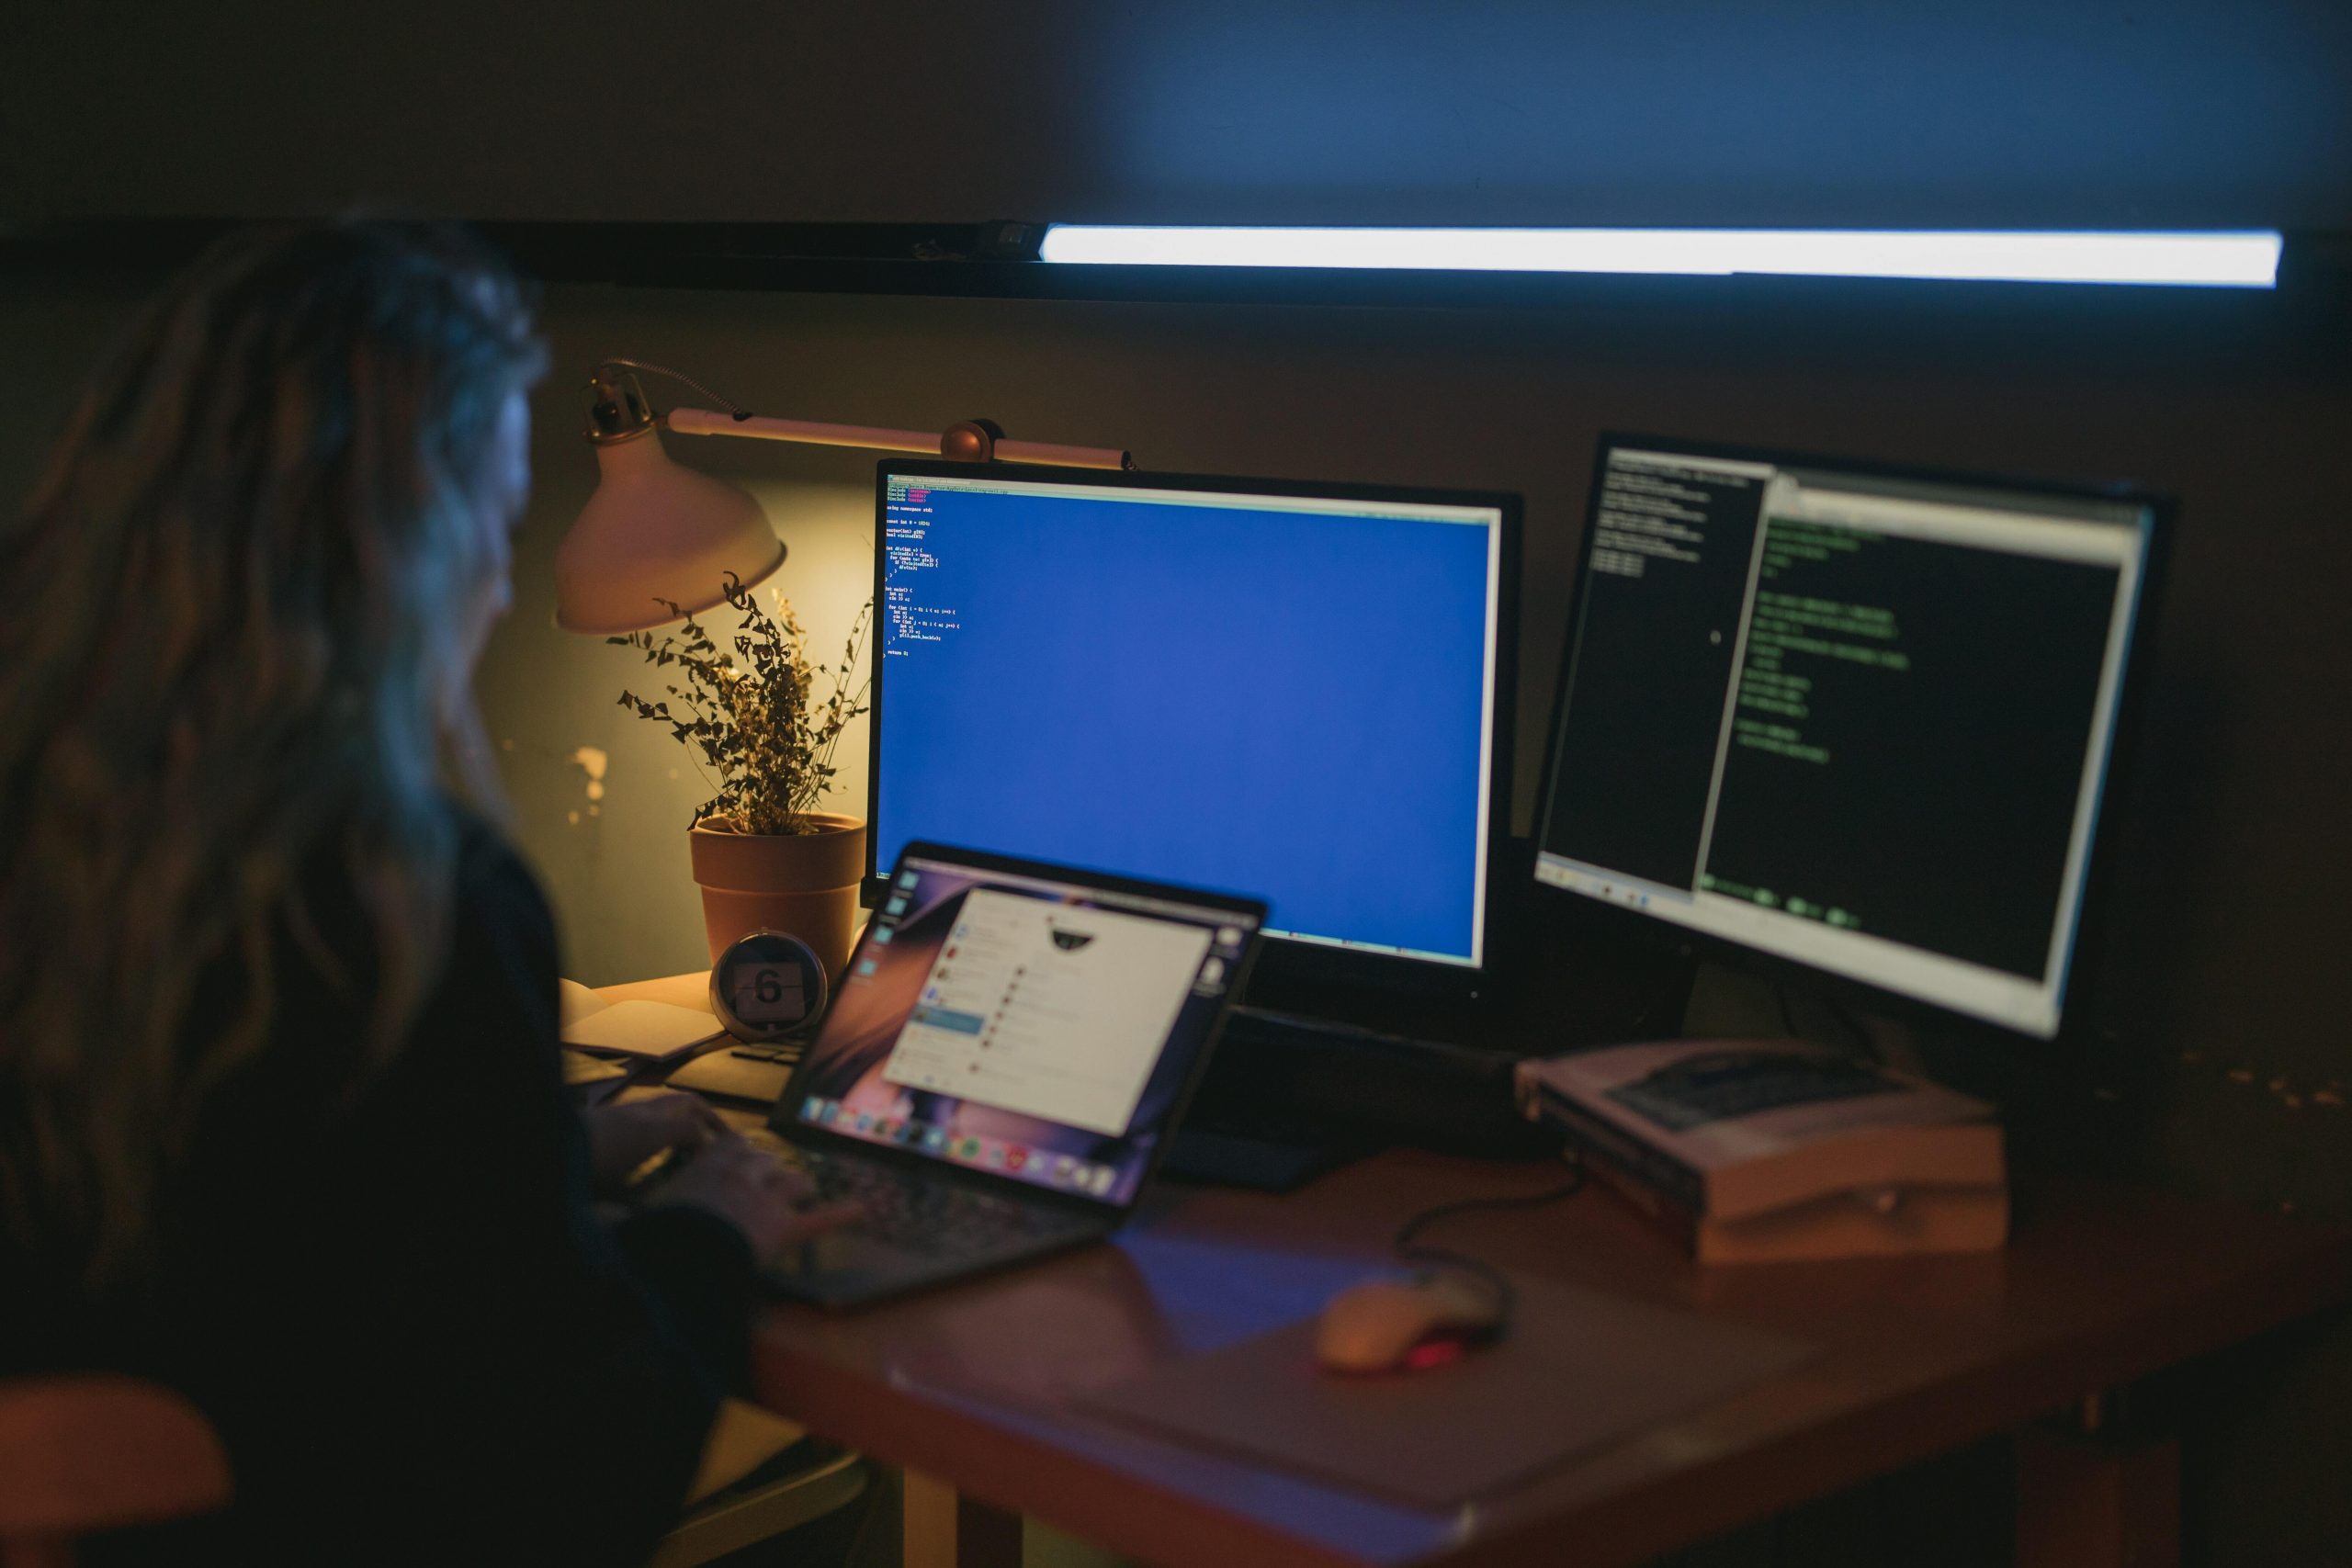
point(763, 853)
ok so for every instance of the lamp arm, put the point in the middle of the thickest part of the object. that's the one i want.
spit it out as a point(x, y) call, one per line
point(971, 441)
point(765, 427)
point(619, 411)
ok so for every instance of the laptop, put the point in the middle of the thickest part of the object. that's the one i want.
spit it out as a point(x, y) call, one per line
point(1002, 1066)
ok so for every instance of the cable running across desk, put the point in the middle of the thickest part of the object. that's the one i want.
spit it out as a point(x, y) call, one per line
point(1410, 1250)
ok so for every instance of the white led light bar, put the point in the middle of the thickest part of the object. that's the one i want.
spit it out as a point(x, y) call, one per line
point(2248, 259)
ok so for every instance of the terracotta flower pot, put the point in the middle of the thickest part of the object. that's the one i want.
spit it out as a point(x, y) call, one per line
point(804, 884)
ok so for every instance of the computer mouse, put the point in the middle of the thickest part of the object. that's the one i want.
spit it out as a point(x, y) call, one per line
point(1409, 1325)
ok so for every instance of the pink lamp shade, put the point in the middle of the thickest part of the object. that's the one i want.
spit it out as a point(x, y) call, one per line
point(655, 531)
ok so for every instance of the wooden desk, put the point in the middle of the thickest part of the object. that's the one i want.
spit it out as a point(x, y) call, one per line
point(971, 1385)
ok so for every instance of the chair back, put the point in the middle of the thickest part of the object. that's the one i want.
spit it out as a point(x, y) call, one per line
point(85, 1454)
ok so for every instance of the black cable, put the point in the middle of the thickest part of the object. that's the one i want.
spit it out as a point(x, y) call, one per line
point(1506, 1297)
point(738, 409)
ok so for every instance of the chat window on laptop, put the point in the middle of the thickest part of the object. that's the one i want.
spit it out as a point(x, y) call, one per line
point(1036, 1030)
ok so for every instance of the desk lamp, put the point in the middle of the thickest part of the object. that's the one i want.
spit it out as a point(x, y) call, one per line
point(654, 531)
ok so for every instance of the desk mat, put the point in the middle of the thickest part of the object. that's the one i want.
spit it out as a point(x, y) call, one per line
point(1578, 1371)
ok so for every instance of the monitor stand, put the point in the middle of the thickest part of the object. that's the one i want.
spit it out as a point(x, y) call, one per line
point(1294, 1096)
point(1726, 1001)
point(1292, 1091)
point(1250, 1126)
point(1278, 1162)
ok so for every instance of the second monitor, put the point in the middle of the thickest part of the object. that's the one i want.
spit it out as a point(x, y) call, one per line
point(1301, 691)
point(1854, 718)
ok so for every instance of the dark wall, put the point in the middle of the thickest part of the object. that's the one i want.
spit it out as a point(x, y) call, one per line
point(2093, 112)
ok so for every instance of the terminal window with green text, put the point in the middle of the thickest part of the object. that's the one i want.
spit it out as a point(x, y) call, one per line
point(1854, 721)
point(1287, 696)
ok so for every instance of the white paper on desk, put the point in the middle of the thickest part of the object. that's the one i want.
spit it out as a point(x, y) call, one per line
point(574, 1001)
point(641, 1029)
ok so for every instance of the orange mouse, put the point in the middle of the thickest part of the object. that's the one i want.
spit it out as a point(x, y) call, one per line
point(1386, 1326)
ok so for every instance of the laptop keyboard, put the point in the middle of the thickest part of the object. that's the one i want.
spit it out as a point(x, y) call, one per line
point(929, 1216)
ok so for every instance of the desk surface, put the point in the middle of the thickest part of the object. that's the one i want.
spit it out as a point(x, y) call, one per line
point(974, 1385)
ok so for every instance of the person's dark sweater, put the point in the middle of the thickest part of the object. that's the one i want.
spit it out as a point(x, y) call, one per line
point(417, 1342)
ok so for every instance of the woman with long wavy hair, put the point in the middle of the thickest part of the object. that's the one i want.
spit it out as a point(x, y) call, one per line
point(281, 1122)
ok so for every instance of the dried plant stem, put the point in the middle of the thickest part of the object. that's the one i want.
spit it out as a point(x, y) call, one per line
point(756, 721)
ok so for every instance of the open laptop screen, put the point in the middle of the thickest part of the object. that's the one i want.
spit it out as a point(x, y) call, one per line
point(1030, 1023)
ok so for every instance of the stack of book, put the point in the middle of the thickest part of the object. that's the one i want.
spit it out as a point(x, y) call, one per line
point(1768, 1150)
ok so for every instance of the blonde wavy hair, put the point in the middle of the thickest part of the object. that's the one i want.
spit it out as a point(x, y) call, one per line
point(240, 614)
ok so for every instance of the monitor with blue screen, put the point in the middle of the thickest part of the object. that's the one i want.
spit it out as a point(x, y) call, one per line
point(1297, 691)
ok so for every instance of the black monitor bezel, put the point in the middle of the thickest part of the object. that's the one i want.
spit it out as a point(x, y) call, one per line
point(1286, 964)
point(1610, 922)
point(1250, 910)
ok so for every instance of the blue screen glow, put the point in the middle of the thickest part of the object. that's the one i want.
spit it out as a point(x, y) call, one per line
point(1287, 698)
